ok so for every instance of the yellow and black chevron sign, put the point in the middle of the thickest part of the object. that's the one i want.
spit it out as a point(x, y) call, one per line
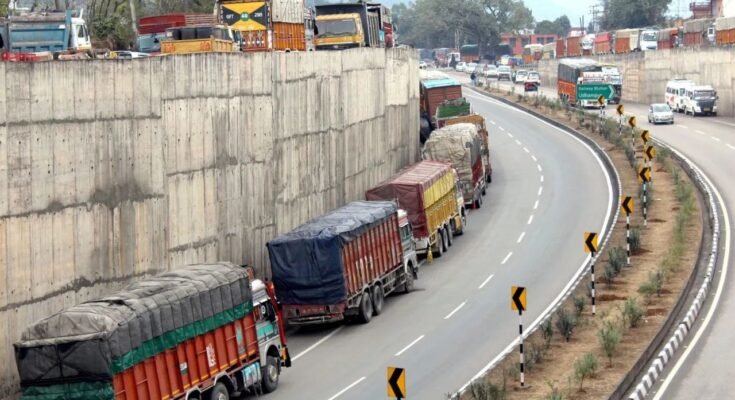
point(246, 16)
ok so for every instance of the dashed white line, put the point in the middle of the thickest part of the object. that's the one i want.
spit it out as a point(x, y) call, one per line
point(534, 158)
point(520, 238)
point(683, 126)
point(542, 178)
point(530, 219)
point(492, 122)
point(341, 392)
point(313, 346)
point(539, 167)
point(699, 132)
point(455, 310)
point(482, 285)
point(501, 128)
point(716, 139)
point(518, 142)
point(526, 150)
point(731, 146)
point(510, 135)
point(535, 205)
point(540, 190)
point(505, 260)
point(409, 345)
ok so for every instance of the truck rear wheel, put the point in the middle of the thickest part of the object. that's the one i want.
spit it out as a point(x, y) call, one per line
point(270, 374)
point(450, 234)
point(408, 284)
point(439, 244)
point(366, 308)
point(378, 299)
point(219, 392)
point(445, 239)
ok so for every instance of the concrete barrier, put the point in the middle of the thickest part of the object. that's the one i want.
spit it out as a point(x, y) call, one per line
point(114, 169)
point(645, 73)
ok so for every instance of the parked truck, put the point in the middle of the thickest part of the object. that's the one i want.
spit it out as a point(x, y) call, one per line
point(285, 25)
point(343, 264)
point(199, 331)
point(201, 39)
point(434, 88)
point(461, 146)
point(428, 191)
point(344, 24)
point(152, 29)
point(55, 33)
point(451, 113)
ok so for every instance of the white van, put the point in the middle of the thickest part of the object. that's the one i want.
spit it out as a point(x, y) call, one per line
point(675, 90)
point(700, 100)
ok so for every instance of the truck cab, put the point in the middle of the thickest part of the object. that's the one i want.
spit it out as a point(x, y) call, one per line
point(201, 39)
point(79, 40)
point(270, 333)
point(339, 31)
point(410, 260)
point(648, 39)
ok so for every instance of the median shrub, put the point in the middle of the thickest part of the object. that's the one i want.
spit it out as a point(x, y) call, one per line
point(608, 275)
point(616, 258)
point(584, 368)
point(565, 323)
point(609, 336)
point(652, 285)
point(630, 155)
point(484, 390)
point(547, 331)
point(578, 305)
point(632, 312)
point(635, 239)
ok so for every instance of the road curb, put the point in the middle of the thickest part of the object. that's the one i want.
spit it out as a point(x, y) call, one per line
point(666, 354)
point(609, 224)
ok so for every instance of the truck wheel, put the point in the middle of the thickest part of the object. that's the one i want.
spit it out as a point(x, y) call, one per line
point(408, 284)
point(439, 244)
point(445, 240)
point(378, 299)
point(219, 392)
point(270, 374)
point(366, 308)
point(484, 190)
point(450, 234)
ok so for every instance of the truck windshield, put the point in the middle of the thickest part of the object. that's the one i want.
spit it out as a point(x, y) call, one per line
point(703, 94)
point(336, 27)
point(650, 36)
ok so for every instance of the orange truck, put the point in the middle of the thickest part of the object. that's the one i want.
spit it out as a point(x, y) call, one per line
point(199, 331)
point(725, 30)
point(269, 25)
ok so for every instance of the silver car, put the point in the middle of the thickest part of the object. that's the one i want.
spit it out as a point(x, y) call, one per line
point(660, 113)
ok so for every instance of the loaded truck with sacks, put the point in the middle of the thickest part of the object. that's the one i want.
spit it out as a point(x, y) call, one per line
point(428, 192)
point(207, 331)
point(461, 146)
point(342, 264)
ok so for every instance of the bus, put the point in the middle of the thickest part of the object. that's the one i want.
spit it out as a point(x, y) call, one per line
point(532, 53)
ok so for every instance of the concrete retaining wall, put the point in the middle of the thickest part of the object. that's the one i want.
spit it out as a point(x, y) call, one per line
point(112, 170)
point(645, 74)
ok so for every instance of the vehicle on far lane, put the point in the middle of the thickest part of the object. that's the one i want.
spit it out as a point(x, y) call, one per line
point(700, 100)
point(504, 72)
point(491, 71)
point(660, 113)
point(470, 68)
point(461, 66)
point(521, 76)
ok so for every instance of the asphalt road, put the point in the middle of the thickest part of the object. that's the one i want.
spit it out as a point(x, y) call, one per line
point(704, 369)
point(548, 188)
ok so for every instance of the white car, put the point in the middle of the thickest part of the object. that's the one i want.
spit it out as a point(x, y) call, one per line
point(461, 66)
point(491, 71)
point(124, 54)
point(504, 72)
point(533, 77)
point(423, 65)
point(660, 114)
point(521, 76)
point(470, 68)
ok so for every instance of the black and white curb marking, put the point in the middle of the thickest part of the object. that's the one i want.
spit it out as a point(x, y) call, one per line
point(667, 353)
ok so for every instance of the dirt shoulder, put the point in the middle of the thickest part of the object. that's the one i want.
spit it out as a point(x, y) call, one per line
point(660, 268)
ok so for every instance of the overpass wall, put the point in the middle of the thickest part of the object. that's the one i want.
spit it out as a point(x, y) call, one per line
point(115, 169)
point(645, 73)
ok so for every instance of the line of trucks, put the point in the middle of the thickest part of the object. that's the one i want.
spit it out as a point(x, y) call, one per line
point(212, 331)
point(235, 25)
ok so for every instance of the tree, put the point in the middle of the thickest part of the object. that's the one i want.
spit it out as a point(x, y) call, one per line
point(621, 14)
point(559, 26)
point(563, 25)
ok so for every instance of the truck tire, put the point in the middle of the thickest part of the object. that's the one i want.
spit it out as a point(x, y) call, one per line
point(450, 234)
point(439, 244)
point(219, 392)
point(366, 308)
point(408, 284)
point(445, 239)
point(378, 299)
point(270, 374)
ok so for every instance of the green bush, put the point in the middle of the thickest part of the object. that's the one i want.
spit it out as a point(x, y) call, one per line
point(630, 155)
point(616, 258)
point(652, 285)
point(663, 154)
point(609, 336)
point(635, 239)
point(534, 355)
point(585, 367)
point(547, 331)
point(565, 323)
point(578, 305)
point(608, 275)
point(555, 392)
point(484, 390)
point(632, 312)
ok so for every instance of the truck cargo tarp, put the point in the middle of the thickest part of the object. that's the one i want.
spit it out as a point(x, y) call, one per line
point(458, 144)
point(306, 263)
point(94, 340)
point(407, 187)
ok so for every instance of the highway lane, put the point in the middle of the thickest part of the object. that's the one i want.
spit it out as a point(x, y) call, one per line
point(706, 371)
point(548, 189)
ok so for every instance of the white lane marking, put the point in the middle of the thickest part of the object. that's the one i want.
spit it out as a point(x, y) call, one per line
point(542, 178)
point(683, 126)
point(482, 285)
point(582, 268)
point(715, 302)
point(526, 150)
point(455, 310)
point(409, 345)
point(716, 139)
point(505, 260)
point(341, 392)
point(520, 238)
point(534, 158)
point(699, 132)
point(535, 205)
point(492, 122)
point(501, 128)
point(731, 146)
point(509, 134)
point(530, 219)
point(313, 346)
point(518, 142)
point(539, 167)
point(540, 190)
